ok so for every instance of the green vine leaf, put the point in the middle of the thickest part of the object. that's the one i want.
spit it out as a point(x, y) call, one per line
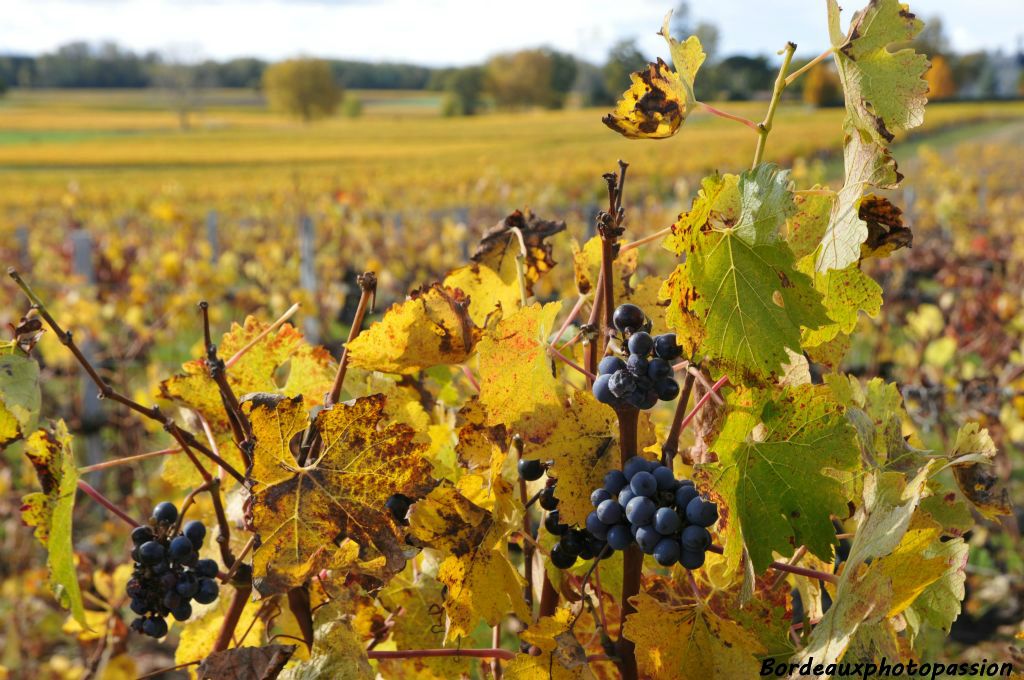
point(50, 511)
point(778, 454)
point(19, 393)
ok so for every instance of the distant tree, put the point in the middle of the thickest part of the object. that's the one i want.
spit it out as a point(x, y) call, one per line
point(737, 77)
point(3, 86)
point(822, 87)
point(623, 59)
point(683, 26)
point(178, 73)
point(302, 87)
point(941, 84)
point(932, 40)
point(540, 77)
point(590, 86)
point(463, 88)
point(968, 68)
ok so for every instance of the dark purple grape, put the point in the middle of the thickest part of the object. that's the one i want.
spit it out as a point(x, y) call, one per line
point(155, 626)
point(561, 557)
point(615, 481)
point(601, 391)
point(610, 364)
point(649, 400)
point(609, 512)
point(684, 494)
point(667, 552)
point(667, 389)
point(205, 568)
point(141, 535)
point(553, 524)
point(622, 384)
point(171, 600)
point(596, 527)
point(398, 505)
point(647, 537)
point(643, 484)
point(133, 588)
point(183, 612)
point(151, 553)
point(640, 510)
point(634, 465)
point(667, 522)
point(701, 512)
point(165, 513)
point(666, 348)
point(665, 478)
point(628, 318)
point(692, 559)
point(597, 496)
point(180, 548)
point(188, 585)
point(695, 538)
point(640, 343)
point(169, 580)
point(596, 548)
point(637, 365)
point(160, 567)
point(658, 369)
point(195, 531)
point(208, 591)
point(139, 606)
point(574, 541)
point(531, 470)
point(547, 499)
point(137, 625)
point(625, 496)
point(619, 537)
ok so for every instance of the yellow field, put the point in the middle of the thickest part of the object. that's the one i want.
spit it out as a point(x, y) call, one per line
point(399, 156)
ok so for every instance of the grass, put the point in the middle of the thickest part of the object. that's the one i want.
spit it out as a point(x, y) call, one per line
point(399, 155)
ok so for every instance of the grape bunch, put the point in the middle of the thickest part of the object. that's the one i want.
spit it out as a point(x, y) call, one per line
point(642, 379)
point(572, 543)
point(644, 503)
point(168, 572)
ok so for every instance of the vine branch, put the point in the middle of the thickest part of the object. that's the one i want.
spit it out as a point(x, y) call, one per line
point(765, 126)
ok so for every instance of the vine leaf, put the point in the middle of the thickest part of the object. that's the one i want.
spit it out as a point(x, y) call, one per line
point(586, 260)
point(489, 295)
point(481, 582)
point(430, 328)
point(739, 279)
point(845, 293)
point(896, 555)
point(310, 374)
point(19, 393)
point(562, 657)
point(337, 652)
point(886, 232)
point(775, 455)
point(246, 663)
point(689, 642)
point(659, 98)
point(300, 511)
point(885, 93)
point(975, 479)
point(50, 511)
point(516, 377)
point(876, 411)
point(499, 247)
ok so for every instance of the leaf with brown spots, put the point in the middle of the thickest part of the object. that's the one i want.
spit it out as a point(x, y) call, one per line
point(974, 476)
point(561, 657)
point(886, 232)
point(246, 663)
point(659, 98)
point(51, 511)
point(778, 452)
point(432, 327)
point(300, 512)
point(490, 296)
point(481, 582)
point(499, 247)
point(19, 393)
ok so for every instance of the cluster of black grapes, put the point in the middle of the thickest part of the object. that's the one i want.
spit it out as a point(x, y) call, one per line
point(644, 503)
point(572, 543)
point(641, 380)
point(168, 572)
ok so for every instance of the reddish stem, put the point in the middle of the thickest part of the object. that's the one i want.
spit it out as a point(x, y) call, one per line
point(632, 558)
point(791, 568)
point(106, 503)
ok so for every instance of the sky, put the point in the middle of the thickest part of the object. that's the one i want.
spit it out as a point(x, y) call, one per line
point(455, 32)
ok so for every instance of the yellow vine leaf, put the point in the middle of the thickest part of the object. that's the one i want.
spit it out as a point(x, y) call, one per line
point(975, 478)
point(481, 582)
point(516, 376)
point(50, 511)
point(490, 296)
point(587, 265)
point(659, 98)
point(338, 651)
point(562, 656)
point(310, 374)
point(431, 327)
point(689, 642)
point(299, 511)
